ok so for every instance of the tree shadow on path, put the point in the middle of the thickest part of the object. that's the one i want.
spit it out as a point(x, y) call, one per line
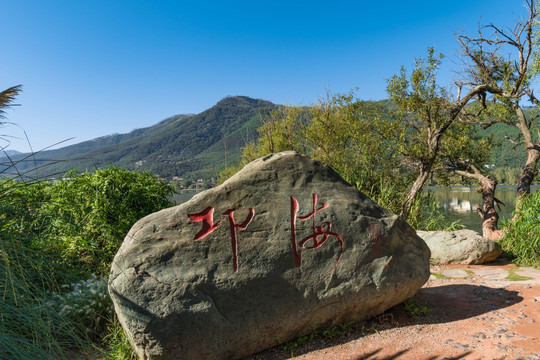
point(455, 302)
point(444, 304)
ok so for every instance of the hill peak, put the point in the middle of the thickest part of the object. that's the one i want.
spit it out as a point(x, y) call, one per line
point(243, 101)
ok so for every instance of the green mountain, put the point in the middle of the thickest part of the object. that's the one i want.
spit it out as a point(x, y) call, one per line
point(192, 146)
point(506, 154)
point(198, 145)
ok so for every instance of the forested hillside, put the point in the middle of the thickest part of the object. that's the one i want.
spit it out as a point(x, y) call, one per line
point(200, 146)
point(183, 145)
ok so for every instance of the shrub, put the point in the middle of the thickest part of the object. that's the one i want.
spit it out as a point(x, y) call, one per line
point(81, 220)
point(522, 236)
point(51, 236)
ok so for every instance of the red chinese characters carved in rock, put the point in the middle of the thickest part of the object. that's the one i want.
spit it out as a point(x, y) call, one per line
point(320, 233)
point(207, 218)
point(319, 236)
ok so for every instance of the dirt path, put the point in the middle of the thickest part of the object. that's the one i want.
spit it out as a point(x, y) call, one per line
point(473, 312)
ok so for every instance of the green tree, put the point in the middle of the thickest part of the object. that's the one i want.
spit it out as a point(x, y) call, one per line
point(423, 131)
point(343, 132)
point(348, 134)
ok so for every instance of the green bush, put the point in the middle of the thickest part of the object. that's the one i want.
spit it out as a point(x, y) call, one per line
point(82, 219)
point(522, 236)
point(52, 235)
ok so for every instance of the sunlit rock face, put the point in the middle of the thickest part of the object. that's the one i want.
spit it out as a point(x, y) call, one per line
point(460, 247)
point(282, 247)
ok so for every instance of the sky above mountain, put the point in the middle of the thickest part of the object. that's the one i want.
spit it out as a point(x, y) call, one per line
point(92, 68)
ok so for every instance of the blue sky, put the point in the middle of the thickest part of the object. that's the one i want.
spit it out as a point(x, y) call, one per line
point(93, 68)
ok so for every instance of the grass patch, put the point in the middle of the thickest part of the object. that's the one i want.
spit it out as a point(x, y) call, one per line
point(513, 276)
point(415, 310)
point(440, 276)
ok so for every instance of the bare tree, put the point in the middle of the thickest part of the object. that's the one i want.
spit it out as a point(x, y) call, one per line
point(499, 59)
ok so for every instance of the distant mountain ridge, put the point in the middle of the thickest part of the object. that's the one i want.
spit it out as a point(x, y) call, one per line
point(10, 152)
point(190, 145)
point(195, 145)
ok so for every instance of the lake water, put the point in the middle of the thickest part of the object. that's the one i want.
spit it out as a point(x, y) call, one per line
point(457, 202)
point(460, 203)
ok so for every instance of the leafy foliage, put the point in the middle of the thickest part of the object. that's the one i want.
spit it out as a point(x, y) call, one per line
point(345, 133)
point(522, 235)
point(83, 217)
point(52, 235)
point(427, 133)
point(341, 131)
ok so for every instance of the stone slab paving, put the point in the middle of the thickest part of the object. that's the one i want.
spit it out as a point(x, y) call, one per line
point(492, 274)
point(528, 272)
point(455, 273)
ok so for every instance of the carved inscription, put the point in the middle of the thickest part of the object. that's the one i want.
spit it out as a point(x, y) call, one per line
point(207, 218)
point(318, 237)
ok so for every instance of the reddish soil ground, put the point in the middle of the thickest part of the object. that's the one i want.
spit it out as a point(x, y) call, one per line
point(480, 315)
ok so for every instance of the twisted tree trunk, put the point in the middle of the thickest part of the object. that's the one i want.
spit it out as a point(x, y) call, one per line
point(529, 172)
point(488, 213)
point(425, 171)
point(490, 216)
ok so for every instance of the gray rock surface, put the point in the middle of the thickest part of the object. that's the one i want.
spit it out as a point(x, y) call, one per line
point(217, 298)
point(460, 247)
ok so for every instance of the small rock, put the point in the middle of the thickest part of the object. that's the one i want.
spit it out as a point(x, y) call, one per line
point(460, 247)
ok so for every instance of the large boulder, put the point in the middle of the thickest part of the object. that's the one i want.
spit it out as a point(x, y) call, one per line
point(460, 247)
point(284, 246)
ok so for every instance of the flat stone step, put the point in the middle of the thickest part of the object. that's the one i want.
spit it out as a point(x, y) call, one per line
point(492, 274)
point(528, 272)
point(455, 273)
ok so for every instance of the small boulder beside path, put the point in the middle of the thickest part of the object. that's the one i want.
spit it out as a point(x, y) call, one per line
point(466, 247)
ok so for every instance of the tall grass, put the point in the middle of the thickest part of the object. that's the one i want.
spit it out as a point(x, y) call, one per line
point(28, 328)
point(57, 241)
point(522, 236)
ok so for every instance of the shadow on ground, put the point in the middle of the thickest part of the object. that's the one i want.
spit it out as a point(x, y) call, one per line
point(461, 301)
point(445, 303)
point(373, 356)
